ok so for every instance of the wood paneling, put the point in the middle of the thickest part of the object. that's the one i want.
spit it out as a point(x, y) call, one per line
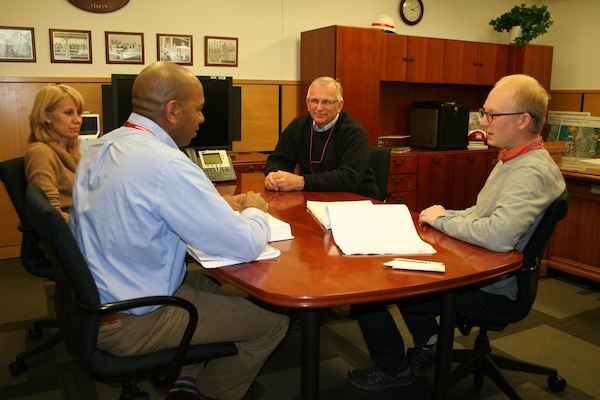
point(591, 103)
point(266, 106)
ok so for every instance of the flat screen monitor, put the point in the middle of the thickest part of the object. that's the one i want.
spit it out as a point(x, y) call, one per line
point(221, 111)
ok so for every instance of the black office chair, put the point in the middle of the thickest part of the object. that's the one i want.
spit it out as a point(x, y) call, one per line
point(380, 164)
point(12, 173)
point(78, 311)
point(480, 361)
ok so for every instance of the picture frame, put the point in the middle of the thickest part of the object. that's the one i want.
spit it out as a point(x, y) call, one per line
point(17, 44)
point(220, 51)
point(70, 46)
point(175, 48)
point(124, 47)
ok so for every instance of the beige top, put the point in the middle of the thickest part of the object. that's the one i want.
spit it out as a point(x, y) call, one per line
point(52, 168)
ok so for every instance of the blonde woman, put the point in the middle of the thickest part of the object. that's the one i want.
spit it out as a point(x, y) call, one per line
point(52, 154)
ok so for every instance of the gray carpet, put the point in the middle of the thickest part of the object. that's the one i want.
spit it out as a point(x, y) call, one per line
point(562, 331)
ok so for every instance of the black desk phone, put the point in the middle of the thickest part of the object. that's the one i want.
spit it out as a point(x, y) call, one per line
point(216, 164)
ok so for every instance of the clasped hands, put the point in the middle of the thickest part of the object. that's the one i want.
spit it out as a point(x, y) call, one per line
point(240, 202)
point(428, 215)
point(283, 181)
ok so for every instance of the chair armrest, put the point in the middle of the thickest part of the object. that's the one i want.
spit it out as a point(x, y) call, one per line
point(177, 363)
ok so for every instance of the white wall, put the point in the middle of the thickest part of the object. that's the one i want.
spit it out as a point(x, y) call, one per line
point(269, 32)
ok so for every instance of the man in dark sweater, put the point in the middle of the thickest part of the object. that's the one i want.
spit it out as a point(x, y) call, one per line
point(330, 147)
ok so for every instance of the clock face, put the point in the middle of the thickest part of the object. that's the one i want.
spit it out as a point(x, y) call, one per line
point(411, 11)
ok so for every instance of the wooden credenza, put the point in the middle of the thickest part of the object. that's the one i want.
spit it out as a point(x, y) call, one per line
point(575, 244)
point(420, 178)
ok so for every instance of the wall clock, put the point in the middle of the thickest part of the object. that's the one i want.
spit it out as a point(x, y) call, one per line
point(411, 11)
point(99, 6)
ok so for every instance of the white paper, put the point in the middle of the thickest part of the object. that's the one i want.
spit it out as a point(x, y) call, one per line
point(211, 261)
point(319, 209)
point(416, 265)
point(379, 229)
point(280, 230)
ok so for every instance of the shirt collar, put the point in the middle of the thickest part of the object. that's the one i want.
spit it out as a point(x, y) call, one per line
point(535, 144)
point(326, 127)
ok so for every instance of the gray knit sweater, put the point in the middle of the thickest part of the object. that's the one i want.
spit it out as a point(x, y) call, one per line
point(508, 209)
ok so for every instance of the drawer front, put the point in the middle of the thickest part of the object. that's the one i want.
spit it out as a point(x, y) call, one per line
point(401, 164)
point(402, 183)
point(408, 198)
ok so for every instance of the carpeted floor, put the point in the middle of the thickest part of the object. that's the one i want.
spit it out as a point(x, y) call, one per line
point(562, 331)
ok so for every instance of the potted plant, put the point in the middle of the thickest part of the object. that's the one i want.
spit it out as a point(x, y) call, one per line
point(534, 21)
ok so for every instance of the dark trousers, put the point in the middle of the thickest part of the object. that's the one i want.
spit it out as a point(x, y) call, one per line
point(384, 340)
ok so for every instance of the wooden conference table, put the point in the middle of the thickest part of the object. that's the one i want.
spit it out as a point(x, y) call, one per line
point(312, 274)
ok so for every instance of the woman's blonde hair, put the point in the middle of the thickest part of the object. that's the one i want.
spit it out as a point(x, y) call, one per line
point(45, 102)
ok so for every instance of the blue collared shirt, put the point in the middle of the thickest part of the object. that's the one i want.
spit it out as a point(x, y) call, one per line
point(138, 200)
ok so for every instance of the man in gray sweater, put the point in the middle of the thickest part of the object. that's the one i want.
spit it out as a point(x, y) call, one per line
point(524, 182)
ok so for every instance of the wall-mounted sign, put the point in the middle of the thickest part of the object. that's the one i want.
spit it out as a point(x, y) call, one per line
point(99, 6)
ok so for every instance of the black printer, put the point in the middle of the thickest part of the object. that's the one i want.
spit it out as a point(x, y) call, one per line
point(439, 125)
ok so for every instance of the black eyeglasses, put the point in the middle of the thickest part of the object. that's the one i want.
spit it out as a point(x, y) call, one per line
point(490, 117)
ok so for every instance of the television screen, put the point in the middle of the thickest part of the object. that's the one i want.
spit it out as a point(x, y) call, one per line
point(221, 111)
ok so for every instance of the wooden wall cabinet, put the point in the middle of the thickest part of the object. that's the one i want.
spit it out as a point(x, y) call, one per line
point(474, 63)
point(383, 73)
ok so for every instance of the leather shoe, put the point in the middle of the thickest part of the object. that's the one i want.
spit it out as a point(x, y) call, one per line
point(182, 395)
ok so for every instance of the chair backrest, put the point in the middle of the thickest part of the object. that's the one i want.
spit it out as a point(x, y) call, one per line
point(78, 306)
point(528, 276)
point(380, 164)
point(12, 173)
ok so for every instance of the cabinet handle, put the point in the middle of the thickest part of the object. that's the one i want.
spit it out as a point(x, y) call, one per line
point(472, 157)
point(251, 168)
point(437, 160)
point(405, 58)
point(411, 59)
point(397, 197)
point(398, 179)
point(480, 64)
point(475, 63)
point(399, 161)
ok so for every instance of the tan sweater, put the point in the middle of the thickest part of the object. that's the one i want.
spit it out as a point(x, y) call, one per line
point(52, 168)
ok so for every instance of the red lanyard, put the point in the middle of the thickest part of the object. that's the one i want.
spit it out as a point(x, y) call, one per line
point(138, 127)
point(312, 131)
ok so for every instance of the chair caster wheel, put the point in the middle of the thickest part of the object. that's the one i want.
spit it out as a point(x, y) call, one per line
point(18, 367)
point(557, 383)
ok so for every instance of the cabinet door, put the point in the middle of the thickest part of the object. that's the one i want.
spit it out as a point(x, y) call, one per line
point(492, 63)
point(473, 63)
point(394, 61)
point(425, 60)
point(434, 181)
point(531, 59)
point(470, 172)
point(460, 62)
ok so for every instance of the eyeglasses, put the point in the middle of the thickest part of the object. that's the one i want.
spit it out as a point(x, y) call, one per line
point(325, 103)
point(490, 117)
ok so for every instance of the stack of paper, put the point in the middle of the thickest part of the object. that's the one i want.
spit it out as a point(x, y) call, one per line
point(210, 261)
point(367, 228)
point(280, 230)
point(319, 209)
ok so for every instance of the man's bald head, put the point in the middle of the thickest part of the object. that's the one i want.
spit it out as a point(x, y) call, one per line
point(157, 84)
point(171, 96)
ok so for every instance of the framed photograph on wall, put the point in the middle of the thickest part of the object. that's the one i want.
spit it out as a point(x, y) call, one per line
point(124, 47)
point(17, 44)
point(220, 51)
point(175, 48)
point(69, 46)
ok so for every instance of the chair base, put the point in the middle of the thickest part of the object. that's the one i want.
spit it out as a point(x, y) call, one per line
point(19, 366)
point(480, 362)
